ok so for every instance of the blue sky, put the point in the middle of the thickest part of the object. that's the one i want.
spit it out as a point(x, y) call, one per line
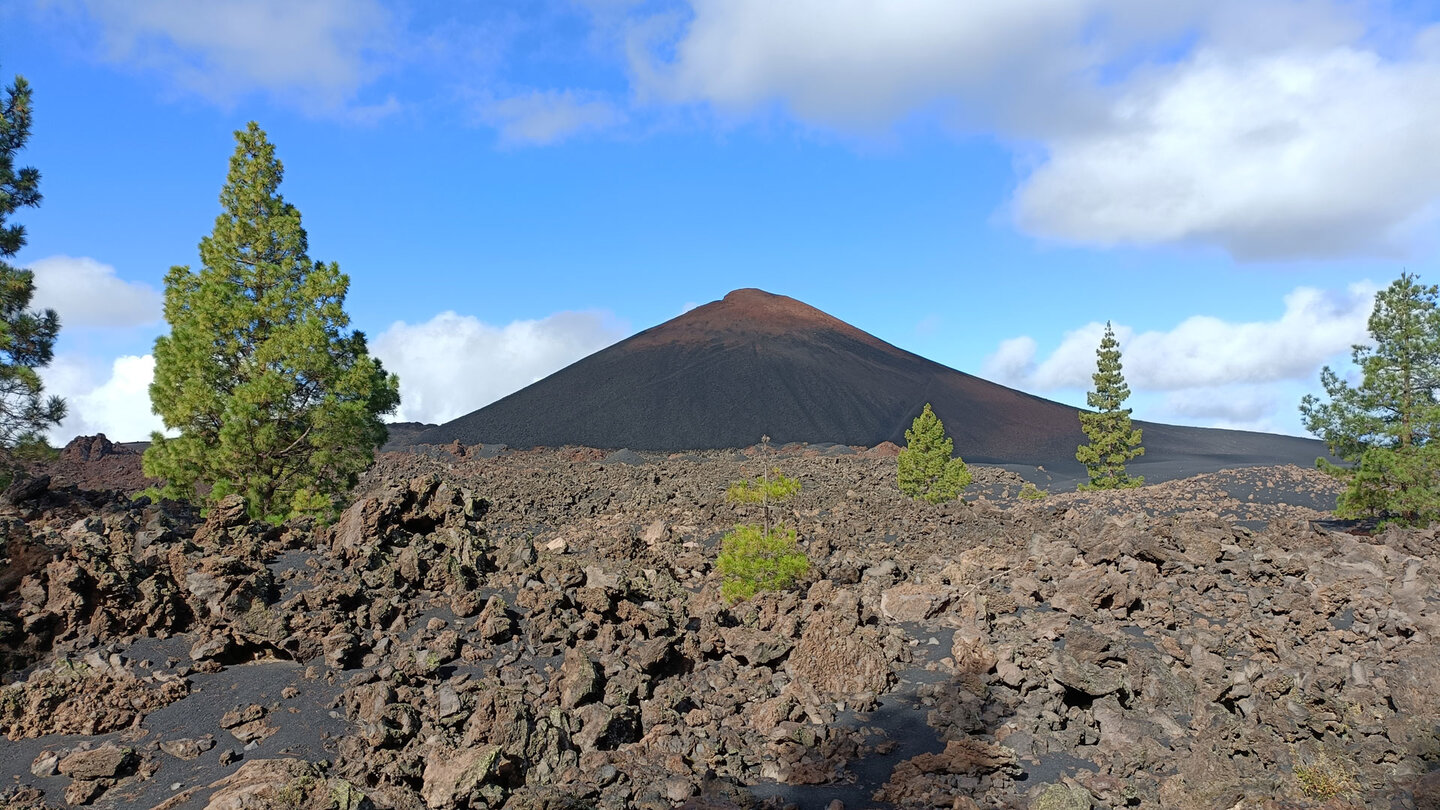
point(511, 186)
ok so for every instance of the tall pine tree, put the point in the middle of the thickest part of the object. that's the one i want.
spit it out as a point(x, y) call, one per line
point(1113, 441)
point(1388, 426)
point(273, 399)
point(27, 338)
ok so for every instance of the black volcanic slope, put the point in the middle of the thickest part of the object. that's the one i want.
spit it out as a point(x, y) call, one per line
point(754, 363)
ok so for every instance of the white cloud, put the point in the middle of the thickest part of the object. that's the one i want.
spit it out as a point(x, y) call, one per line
point(1013, 361)
point(114, 401)
point(1202, 351)
point(448, 366)
point(454, 364)
point(543, 117)
point(1246, 407)
point(859, 62)
point(1211, 372)
point(318, 51)
point(87, 293)
point(1273, 156)
point(1268, 128)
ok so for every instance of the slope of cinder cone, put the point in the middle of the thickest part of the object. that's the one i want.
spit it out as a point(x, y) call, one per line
point(723, 374)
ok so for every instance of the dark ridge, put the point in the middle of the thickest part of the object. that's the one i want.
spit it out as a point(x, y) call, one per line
point(403, 434)
point(754, 363)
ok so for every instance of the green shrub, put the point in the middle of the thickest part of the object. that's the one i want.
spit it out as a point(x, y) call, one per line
point(1326, 778)
point(1030, 492)
point(753, 560)
point(928, 468)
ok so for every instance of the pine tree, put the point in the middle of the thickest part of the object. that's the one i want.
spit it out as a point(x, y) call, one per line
point(1113, 441)
point(1387, 427)
point(27, 338)
point(272, 398)
point(928, 467)
point(761, 557)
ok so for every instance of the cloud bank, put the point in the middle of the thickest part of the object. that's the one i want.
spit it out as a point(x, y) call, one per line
point(88, 293)
point(1276, 156)
point(453, 364)
point(1272, 130)
point(448, 366)
point(113, 400)
point(1210, 371)
point(318, 53)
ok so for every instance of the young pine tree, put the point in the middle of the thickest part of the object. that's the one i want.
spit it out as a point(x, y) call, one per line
point(1388, 425)
point(273, 399)
point(764, 557)
point(927, 466)
point(1113, 441)
point(27, 338)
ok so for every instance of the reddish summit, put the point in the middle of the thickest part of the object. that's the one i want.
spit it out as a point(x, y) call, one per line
point(754, 363)
point(747, 314)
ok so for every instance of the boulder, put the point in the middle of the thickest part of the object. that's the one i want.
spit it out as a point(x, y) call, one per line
point(837, 656)
point(1061, 797)
point(914, 603)
point(105, 762)
point(755, 647)
point(580, 680)
point(450, 776)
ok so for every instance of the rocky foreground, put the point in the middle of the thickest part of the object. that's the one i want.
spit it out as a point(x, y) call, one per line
point(543, 630)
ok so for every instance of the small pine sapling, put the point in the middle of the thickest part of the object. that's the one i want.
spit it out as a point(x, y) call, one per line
point(1030, 492)
point(928, 467)
point(763, 557)
point(754, 560)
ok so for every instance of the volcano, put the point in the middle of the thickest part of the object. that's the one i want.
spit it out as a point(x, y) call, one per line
point(723, 374)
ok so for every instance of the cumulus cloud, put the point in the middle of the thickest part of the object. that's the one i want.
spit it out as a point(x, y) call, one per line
point(454, 364)
point(1269, 157)
point(1212, 372)
point(1202, 351)
point(322, 51)
point(88, 293)
point(448, 366)
point(114, 401)
point(1270, 129)
point(1013, 361)
point(1236, 406)
point(543, 117)
point(858, 62)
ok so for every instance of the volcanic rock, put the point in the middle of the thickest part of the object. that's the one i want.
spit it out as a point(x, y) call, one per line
point(88, 448)
point(1181, 645)
point(187, 748)
point(838, 656)
point(450, 776)
point(105, 762)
